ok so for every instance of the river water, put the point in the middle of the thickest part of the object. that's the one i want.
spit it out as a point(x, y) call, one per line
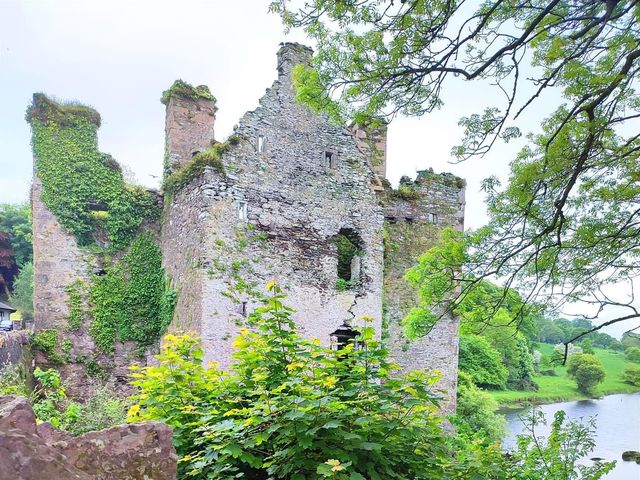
point(617, 428)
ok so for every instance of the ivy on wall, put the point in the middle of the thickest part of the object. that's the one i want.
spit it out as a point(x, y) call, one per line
point(131, 302)
point(86, 192)
point(81, 186)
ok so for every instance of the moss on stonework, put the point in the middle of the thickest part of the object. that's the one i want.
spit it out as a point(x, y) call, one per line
point(46, 341)
point(406, 192)
point(447, 179)
point(181, 88)
point(45, 110)
point(211, 157)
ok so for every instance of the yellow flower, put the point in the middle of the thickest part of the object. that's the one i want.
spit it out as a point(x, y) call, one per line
point(330, 381)
point(335, 465)
point(134, 411)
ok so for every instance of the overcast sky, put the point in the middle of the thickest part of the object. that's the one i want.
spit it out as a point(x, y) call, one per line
point(118, 56)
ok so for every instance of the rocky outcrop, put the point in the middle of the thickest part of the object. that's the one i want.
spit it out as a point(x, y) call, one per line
point(137, 451)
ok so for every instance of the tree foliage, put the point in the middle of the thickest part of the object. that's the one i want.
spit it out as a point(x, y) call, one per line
point(289, 408)
point(15, 220)
point(22, 295)
point(476, 412)
point(565, 226)
point(586, 370)
point(481, 362)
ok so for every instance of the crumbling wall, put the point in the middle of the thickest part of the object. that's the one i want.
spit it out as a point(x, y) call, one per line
point(102, 215)
point(414, 216)
point(275, 213)
point(189, 123)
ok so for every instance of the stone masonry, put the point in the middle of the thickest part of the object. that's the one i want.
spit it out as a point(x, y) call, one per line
point(289, 183)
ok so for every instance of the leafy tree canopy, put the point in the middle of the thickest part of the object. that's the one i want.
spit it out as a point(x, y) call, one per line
point(15, 220)
point(566, 224)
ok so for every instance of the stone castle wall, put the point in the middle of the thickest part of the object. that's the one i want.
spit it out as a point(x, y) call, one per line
point(289, 183)
point(59, 263)
point(276, 213)
point(411, 229)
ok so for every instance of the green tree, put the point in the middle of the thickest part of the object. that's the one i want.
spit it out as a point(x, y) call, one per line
point(587, 346)
point(22, 295)
point(632, 354)
point(15, 220)
point(631, 375)
point(586, 370)
point(481, 362)
point(558, 456)
point(565, 224)
point(476, 412)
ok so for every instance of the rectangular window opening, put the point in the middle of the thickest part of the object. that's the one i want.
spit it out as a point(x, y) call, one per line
point(433, 217)
point(260, 143)
point(329, 159)
point(242, 211)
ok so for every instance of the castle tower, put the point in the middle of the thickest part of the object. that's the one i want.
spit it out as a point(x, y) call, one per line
point(290, 191)
point(190, 118)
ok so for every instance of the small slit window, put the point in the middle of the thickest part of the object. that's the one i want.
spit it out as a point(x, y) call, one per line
point(329, 159)
point(260, 143)
point(243, 309)
point(242, 211)
point(433, 218)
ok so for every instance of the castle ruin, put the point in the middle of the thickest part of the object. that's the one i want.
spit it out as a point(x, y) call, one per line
point(290, 196)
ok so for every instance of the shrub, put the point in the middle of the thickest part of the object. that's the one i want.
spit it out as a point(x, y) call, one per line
point(291, 408)
point(557, 457)
point(631, 375)
point(482, 362)
point(50, 403)
point(476, 412)
point(586, 370)
point(13, 381)
point(103, 410)
point(632, 354)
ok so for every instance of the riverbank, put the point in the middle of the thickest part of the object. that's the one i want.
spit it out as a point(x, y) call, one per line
point(561, 388)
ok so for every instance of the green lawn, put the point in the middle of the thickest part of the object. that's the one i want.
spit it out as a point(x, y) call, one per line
point(561, 387)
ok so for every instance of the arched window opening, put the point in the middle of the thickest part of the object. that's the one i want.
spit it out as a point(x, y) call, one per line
point(349, 247)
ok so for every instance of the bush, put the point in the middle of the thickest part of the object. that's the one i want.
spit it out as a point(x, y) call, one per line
point(558, 456)
point(476, 412)
point(482, 362)
point(586, 370)
point(632, 354)
point(50, 403)
point(291, 408)
point(631, 375)
point(13, 381)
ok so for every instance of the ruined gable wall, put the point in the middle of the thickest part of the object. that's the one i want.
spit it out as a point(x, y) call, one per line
point(295, 204)
point(410, 231)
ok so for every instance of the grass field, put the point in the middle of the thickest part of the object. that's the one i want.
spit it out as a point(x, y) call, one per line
point(561, 387)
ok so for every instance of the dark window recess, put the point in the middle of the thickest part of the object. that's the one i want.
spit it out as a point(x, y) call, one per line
point(244, 309)
point(349, 254)
point(433, 218)
point(343, 336)
point(330, 159)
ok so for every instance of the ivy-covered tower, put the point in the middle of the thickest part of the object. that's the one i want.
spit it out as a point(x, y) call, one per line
point(100, 299)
